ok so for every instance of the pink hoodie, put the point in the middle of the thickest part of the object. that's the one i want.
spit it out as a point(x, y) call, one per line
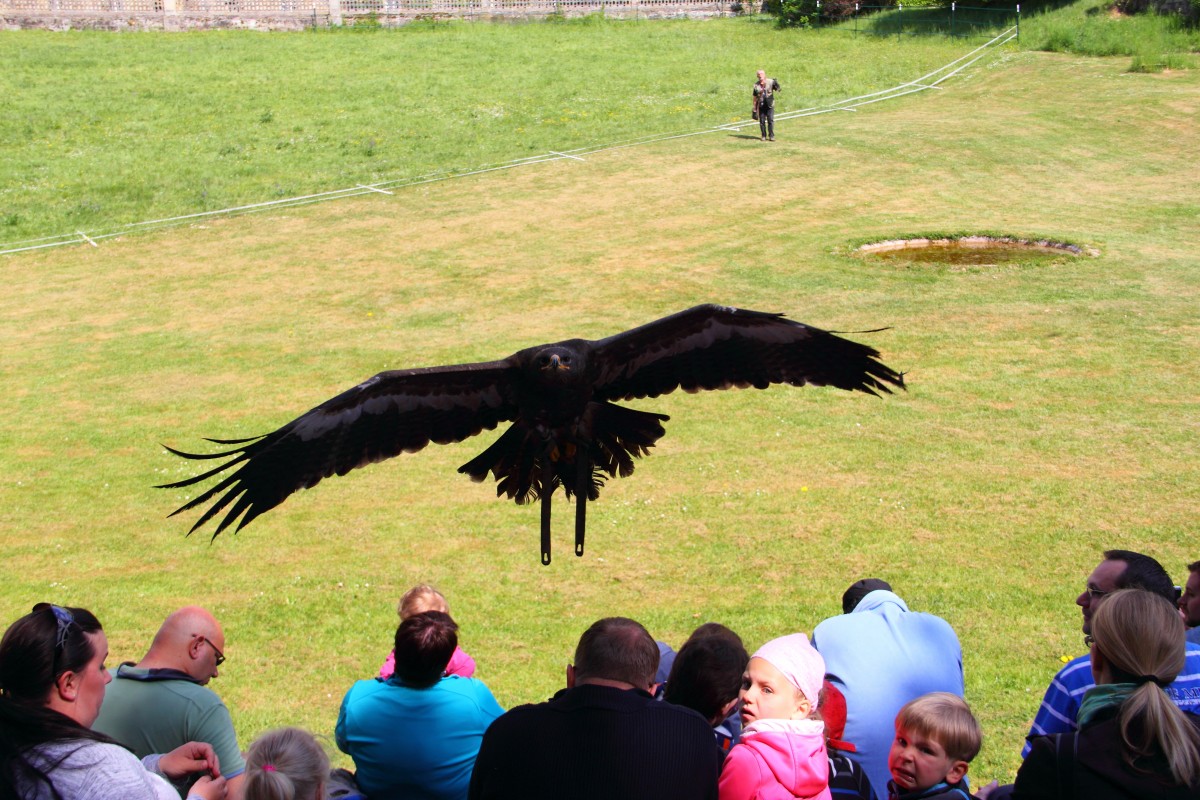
point(460, 664)
point(777, 760)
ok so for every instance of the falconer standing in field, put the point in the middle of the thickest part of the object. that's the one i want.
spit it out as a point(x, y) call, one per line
point(764, 103)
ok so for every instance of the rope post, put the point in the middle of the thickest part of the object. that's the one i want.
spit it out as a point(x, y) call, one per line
point(1018, 23)
point(952, 12)
point(899, 20)
point(856, 20)
point(818, 13)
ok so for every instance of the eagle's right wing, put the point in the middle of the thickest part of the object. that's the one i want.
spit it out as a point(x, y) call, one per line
point(393, 412)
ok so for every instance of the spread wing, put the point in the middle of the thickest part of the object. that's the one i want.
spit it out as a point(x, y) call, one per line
point(717, 347)
point(390, 413)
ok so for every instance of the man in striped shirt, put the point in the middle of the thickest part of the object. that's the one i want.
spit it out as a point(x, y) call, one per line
point(1120, 569)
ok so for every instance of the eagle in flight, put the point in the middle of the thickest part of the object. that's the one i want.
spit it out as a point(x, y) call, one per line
point(560, 398)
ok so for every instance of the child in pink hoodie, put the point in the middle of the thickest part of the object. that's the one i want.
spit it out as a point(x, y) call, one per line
point(782, 751)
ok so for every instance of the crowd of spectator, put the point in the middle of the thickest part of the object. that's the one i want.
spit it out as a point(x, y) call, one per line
point(869, 706)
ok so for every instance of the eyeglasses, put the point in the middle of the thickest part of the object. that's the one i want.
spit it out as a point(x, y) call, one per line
point(1096, 594)
point(220, 655)
point(1088, 640)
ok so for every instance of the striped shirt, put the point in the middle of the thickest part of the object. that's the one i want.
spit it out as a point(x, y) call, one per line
point(1060, 706)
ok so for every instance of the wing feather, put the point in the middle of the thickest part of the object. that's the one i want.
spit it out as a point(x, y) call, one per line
point(711, 347)
point(391, 413)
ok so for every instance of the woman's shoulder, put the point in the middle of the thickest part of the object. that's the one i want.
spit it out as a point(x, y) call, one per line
point(91, 770)
point(81, 753)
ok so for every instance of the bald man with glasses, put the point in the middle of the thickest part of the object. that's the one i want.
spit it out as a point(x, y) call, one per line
point(164, 701)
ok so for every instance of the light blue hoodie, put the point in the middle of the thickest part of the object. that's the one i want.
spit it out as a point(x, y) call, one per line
point(881, 655)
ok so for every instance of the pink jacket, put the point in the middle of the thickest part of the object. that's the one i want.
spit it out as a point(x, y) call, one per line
point(460, 664)
point(777, 760)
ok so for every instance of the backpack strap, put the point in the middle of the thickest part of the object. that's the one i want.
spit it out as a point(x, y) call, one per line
point(1066, 761)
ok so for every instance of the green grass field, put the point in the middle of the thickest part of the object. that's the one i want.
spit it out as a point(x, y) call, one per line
point(1051, 412)
point(205, 121)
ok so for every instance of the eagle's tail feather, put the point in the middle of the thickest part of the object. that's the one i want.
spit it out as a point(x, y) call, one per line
point(623, 434)
point(514, 460)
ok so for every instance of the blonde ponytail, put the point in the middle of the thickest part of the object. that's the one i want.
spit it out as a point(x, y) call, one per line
point(1140, 636)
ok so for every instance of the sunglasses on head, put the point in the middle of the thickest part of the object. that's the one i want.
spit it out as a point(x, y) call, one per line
point(64, 619)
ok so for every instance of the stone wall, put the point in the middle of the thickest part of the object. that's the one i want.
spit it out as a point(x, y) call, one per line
point(298, 14)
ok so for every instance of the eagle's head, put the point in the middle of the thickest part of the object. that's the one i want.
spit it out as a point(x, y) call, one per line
point(559, 365)
point(555, 359)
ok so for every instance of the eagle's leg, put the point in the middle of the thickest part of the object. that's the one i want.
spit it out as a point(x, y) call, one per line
point(582, 485)
point(546, 490)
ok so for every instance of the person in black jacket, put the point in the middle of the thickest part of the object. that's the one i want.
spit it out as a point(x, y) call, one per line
point(1133, 741)
point(604, 736)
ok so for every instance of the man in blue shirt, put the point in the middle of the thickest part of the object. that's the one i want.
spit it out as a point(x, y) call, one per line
point(1120, 569)
point(880, 655)
point(416, 734)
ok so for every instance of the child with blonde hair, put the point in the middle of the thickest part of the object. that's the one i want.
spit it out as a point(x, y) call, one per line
point(418, 600)
point(286, 764)
point(782, 750)
point(936, 738)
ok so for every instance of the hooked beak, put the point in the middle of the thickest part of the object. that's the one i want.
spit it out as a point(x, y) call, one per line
point(556, 363)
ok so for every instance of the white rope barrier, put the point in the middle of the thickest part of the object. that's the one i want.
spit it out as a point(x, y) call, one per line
point(924, 83)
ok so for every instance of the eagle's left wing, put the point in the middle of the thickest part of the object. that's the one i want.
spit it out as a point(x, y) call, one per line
point(718, 347)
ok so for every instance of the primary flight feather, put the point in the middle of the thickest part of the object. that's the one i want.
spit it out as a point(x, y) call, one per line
point(566, 429)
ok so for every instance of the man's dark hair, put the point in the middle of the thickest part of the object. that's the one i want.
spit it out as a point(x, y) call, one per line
point(617, 649)
point(424, 644)
point(707, 674)
point(1142, 572)
point(860, 589)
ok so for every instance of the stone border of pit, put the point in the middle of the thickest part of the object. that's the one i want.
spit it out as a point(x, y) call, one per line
point(889, 245)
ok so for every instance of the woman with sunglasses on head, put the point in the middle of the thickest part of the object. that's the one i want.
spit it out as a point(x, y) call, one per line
point(1133, 741)
point(52, 680)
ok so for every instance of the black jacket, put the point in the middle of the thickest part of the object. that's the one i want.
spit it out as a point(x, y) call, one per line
point(597, 742)
point(1089, 764)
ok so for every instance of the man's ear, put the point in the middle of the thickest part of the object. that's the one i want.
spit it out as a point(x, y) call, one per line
point(958, 771)
point(570, 676)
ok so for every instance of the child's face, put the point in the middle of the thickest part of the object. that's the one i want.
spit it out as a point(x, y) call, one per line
point(918, 762)
point(766, 694)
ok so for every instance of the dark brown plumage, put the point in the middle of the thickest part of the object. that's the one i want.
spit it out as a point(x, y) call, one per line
point(566, 429)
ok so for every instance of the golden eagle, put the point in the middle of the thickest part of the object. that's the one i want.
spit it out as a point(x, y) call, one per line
point(566, 430)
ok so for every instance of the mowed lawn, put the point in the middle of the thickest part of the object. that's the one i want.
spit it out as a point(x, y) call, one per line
point(1052, 410)
point(102, 130)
